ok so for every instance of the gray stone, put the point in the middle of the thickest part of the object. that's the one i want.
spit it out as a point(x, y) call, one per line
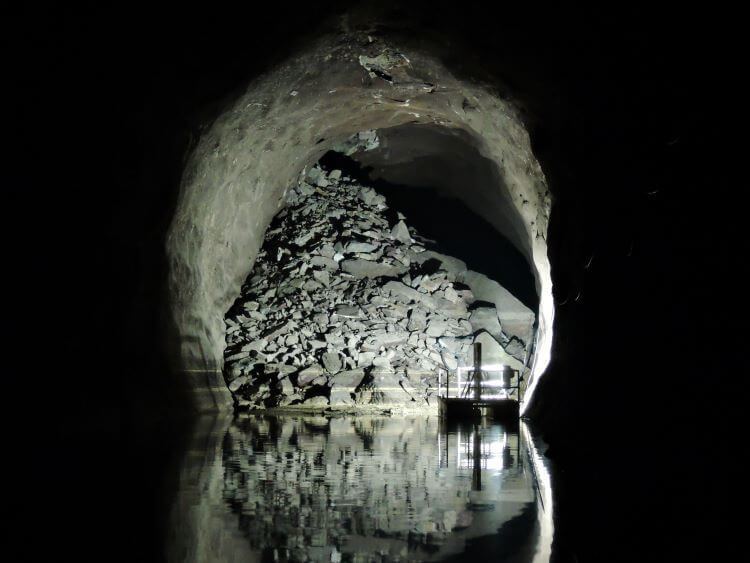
point(450, 294)
point(436, 327)
point(320, 319)
point(382, 363)
point(515, 318)
point(322, 276)
point(451, 343)
point(349, 378)
point(341, 396)
point(516, 348)
point(384, 339)
point(277, 330)
point(430, 284)
point(238, 382)
point(292, 339)
point(307, 375)
point(332, 362)
point(417, 319)
point(493, 352)
point(356, 246)
point(400, 232)
point(286, 386)
point(367, 195)
point(369, 269)
point(485, 318)
point(348, 311)
point(319, 401)
point(450, 264)
point(282, 369)
point(408, 294)
point(364, 359)
point(323, 262)
point(449, 360)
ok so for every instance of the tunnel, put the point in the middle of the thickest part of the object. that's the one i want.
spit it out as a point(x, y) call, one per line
point(429, 128)
point(578, 159)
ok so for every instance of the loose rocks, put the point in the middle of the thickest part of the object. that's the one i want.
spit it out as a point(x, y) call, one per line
point(343, 308)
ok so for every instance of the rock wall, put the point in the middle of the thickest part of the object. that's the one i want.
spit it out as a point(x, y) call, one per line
point(235, 178)
point(347, 305)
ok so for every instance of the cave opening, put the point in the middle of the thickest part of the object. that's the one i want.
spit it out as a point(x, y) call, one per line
point(376, 277)
point(402, 115)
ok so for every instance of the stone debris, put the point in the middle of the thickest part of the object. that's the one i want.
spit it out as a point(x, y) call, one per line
point(344, 307)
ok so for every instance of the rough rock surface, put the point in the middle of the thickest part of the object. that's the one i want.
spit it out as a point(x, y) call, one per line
point(235, 177)
point(347, 306)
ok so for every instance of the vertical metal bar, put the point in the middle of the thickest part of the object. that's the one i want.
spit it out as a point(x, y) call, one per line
point(477, 371)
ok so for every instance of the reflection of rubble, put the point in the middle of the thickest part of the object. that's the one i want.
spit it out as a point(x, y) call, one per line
point(363, 488)
point(346, 305)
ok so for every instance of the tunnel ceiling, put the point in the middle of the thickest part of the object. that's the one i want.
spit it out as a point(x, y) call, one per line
point(285, 120)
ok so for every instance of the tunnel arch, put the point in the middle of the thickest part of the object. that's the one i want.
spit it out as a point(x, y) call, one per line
point(235, 178)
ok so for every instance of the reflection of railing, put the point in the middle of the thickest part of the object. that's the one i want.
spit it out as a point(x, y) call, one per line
point(488, 455)
point(494, 381)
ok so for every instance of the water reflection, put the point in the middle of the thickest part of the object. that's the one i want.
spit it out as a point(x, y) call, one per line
point(367, 488)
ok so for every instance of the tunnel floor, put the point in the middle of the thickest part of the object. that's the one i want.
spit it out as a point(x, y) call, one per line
point(348, 306)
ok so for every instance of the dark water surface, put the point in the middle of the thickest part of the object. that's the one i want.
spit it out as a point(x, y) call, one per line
point(365, 488)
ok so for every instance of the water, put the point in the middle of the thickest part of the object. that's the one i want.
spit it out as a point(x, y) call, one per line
point(366, 488)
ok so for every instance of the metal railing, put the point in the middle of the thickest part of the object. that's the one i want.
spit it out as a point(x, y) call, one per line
point(493, 382)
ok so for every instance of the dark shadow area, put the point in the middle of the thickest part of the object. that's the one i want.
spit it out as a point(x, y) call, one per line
point(513, 543)
point(452, 225)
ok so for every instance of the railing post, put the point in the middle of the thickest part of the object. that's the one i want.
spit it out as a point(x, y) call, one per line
point(477, 371)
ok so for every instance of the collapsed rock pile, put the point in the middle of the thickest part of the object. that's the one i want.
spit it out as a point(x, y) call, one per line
point(347, 305)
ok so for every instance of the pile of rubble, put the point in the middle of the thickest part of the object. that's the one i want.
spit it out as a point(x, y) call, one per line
point(347, 305)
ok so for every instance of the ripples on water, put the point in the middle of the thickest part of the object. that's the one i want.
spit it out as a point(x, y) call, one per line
point(366, 488)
